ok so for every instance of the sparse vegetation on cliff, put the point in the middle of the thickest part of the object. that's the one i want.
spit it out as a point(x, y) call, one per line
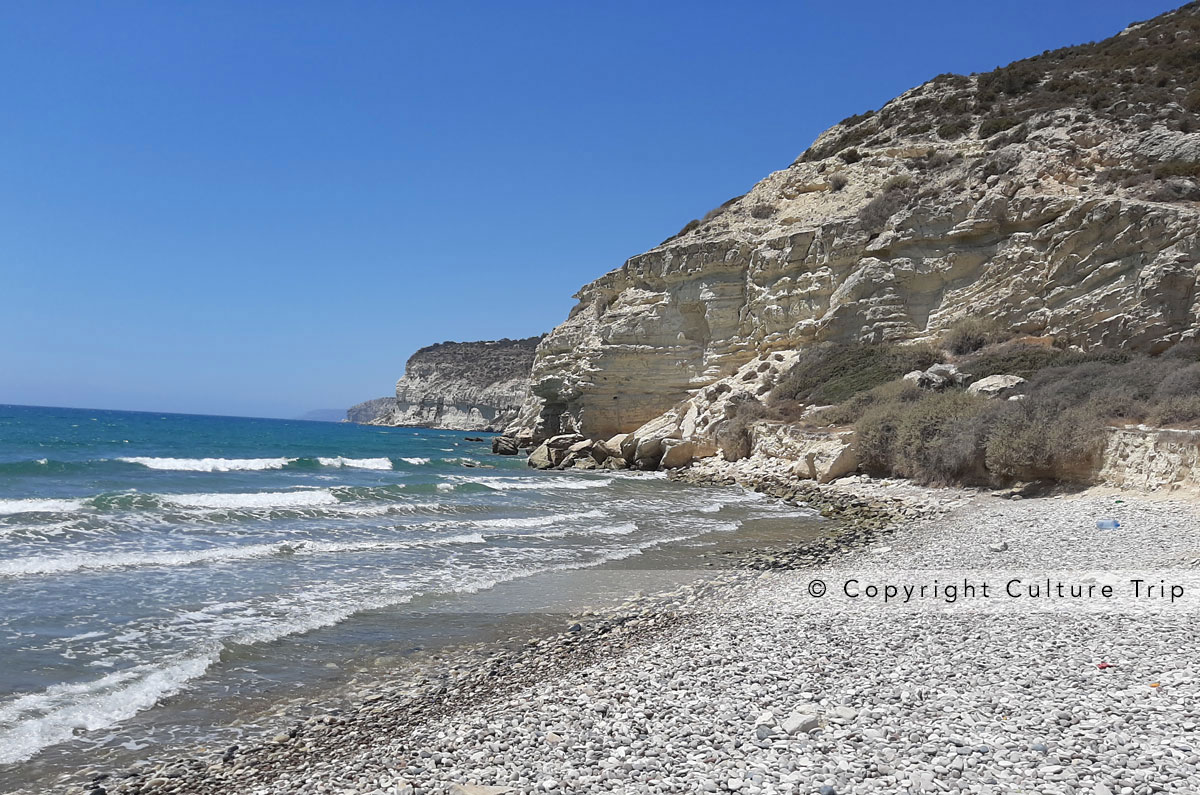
point(1054, 431)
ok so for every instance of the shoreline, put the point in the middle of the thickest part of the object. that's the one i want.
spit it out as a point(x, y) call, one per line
point(440, 734)
point(453, 674)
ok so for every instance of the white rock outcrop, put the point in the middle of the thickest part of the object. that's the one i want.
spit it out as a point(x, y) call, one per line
point(466, 386)
point(997, 386)
point(1151, 459)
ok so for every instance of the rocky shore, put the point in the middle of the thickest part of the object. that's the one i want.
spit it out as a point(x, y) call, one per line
point(736, 684)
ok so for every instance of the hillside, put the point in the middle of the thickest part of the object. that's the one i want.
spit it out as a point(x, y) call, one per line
point(1057, 197)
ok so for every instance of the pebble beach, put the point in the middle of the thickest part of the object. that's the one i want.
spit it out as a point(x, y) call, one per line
point(742, 683)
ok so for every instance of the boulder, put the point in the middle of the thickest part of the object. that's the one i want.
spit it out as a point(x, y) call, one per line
point(644, 447)
point(614, 443)
point(939, 376)
point(524, 438)
point(585, 463)
point(826, 458)
point(581, 447)
point(563, 441)
point(648, 452)
point(676, 453)
point(504, 445)
point(628, 447)
point(540, 458)
point(616, 462)
point(601, 452)
point(997, 386)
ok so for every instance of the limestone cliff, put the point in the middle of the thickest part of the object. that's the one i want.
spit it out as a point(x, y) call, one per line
point(468, 386)
point(1059, 195)
point(368, 411)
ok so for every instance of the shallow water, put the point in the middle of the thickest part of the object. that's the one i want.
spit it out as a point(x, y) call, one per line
point(162, 576)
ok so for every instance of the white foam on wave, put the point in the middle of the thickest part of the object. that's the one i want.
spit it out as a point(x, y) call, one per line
point(39, 506)
point(517, 523)
point(730, 499)
point(623, 529)
point(34, 721)
point(415, 461)
point(66, 564)
point(531, 484)
point(356, 463)
point(254, 499)
point(209, 464)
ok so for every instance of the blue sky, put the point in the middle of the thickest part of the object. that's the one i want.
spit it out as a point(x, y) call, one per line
point(263, 208)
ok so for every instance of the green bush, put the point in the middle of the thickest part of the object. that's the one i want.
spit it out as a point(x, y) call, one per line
point(851, 410)
point(990, 127)
point(832, 372)
point(1025, 360)
point(969, 334)
point(875, 437)
point(954, 129)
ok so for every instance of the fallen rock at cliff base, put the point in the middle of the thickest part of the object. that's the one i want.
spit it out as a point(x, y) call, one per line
point(601, 452)
point(504, 445)
point(676, 453)
point(540, 458)
point(564, 441)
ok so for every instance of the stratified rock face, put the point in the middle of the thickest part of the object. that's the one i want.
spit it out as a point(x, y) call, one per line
point(368, 411)
point(467, 386)
point(1058, 195)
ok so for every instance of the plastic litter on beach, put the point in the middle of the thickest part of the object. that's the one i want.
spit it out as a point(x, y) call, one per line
point(1107, 524)
point(1104, 665)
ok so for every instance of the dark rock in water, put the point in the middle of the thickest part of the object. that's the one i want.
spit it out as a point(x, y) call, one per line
point(473, 439)
point(504, 445)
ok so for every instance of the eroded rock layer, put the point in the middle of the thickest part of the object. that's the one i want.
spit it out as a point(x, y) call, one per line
point(1058, 195)
point(465, 386)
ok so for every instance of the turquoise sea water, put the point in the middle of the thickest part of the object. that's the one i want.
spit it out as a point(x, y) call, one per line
point(145, 557)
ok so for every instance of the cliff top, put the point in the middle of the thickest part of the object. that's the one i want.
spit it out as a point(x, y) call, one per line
point(1122, 114)
point(482, 362)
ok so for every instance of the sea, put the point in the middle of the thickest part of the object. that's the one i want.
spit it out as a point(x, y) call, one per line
point(164, 578)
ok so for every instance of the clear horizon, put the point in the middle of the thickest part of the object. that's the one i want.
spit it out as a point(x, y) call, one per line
point(229, 209)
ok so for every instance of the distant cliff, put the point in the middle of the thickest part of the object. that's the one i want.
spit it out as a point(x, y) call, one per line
point(368, 411)
point(467, 386)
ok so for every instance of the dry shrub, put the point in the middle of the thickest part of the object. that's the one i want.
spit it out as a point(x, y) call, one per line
point(832, 372)
point(935, 440)
point(852, 409)
point(1025, 360)
point(969, 334)
point(734, 437)
point(1032, 438)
